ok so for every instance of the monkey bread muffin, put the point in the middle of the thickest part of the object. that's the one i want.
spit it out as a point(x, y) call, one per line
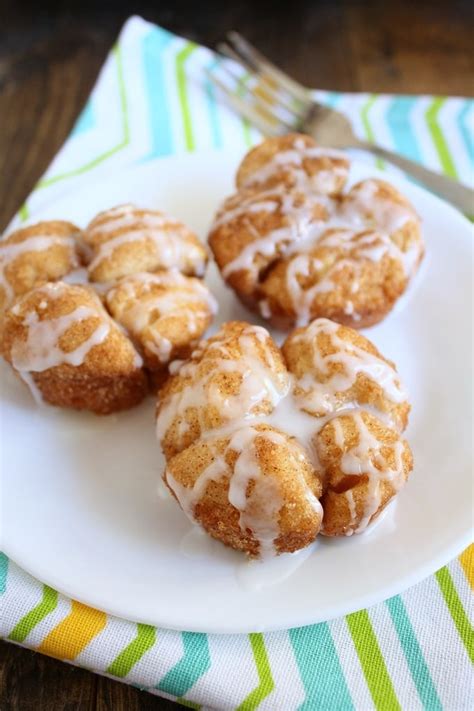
point(61, 341)
point(100, 344)
point(294, 245)
point(33, 255)
point(267, 447)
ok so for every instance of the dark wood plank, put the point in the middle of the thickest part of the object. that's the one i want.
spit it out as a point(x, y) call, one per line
point(421, 47)
point(113, 696)
point(50, 54)
point(33, 682)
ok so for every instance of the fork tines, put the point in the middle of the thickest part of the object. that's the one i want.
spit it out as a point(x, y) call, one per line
point(258, 90)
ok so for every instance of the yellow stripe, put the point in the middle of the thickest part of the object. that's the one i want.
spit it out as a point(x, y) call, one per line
point(467, 561)
point(74, 633)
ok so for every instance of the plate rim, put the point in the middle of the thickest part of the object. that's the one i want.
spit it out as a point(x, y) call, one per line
point(362, 601)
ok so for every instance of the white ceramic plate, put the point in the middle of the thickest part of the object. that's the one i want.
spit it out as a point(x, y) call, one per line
point(80, 509)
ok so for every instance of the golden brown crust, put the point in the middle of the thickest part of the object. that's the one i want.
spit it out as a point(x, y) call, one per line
point(360, 293)
point(351, 500)
point(324, 170)
point(302, 352)
point(126, 240)
point(106, 379)
point(344, 404)
point(171, 315)
point(293, 254)
point(253, 222)
point(33, 255)
point(214, 374)
point(165, 314)
point(284, 469)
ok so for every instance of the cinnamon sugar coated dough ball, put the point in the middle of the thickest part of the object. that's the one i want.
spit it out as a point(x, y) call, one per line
point(33, 255)
point(366, 464)
point(252, 229)
point(160, 313)
point(60, 340)
point(294, 246)
point(255, 491)
point(294, 159)
point(237, 373)
point(164, 313)
point(254, 436)
point(127, 239)
point(334, 366)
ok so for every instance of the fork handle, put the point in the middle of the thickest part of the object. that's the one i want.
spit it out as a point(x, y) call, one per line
point(454, 192)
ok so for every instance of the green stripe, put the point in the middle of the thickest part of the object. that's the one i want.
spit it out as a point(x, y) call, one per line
point(364, 112)
point(372, 662)
point(437, 136)
point(189, 704)
point(246, 125)
point(133, 652)
point(266, 683)
point(27, 623)
point(413, 654)
point(24, 212)
point(181, 58)
point(46, 182)
point(193, 664)
point(247, 135)
point(456, 609)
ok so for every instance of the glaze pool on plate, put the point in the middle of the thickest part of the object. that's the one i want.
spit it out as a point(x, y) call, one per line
point(80, 509)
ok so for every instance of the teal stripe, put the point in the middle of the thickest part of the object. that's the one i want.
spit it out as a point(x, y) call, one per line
point(320, 670)
point(399, 123)
point(414, 655)
point(193, 664)
point(212, 107)
point(3, 572)
point(464, 128)
point(86, 120)
point(154, 45)
point(332, 99)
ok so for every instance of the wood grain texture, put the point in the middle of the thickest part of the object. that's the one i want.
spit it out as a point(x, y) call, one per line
point(33, 682)
point(50, 54)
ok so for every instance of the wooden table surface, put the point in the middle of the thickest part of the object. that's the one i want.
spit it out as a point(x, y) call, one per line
point(49, 59)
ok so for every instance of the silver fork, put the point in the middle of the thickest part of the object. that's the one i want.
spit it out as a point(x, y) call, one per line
point(277, 104)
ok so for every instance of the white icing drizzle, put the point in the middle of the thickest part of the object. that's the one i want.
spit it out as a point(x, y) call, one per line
point(172, 246)
point(322, 397)
point(10, 251)
point(124, 216)
point(361, 224)
point(41, 350)
point(188, 297)
point(292, 159)
point(258, 383)
point(259, 511)
point(366, 458)
point(300, 415)
point(298, 212)
point(77, 276)
point(256, 574)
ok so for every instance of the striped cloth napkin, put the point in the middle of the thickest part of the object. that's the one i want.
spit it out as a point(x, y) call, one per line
point(410, 652)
